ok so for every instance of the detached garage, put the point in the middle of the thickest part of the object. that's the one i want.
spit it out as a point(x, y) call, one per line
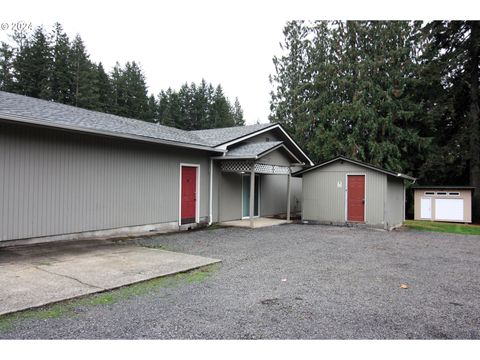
point(443, 203)
point(342, 191)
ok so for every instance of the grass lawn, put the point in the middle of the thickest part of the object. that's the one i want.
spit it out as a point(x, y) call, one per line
point(453, 228)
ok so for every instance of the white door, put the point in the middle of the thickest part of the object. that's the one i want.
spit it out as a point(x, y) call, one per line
point(449, 209)
point(426, 208)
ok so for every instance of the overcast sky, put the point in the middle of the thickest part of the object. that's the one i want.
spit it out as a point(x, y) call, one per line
point(224, 42)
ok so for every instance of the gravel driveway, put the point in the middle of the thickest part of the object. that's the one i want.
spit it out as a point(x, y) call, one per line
point(297, 281)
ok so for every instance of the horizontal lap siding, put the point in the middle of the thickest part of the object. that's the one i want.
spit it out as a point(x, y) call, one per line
point(53, 182)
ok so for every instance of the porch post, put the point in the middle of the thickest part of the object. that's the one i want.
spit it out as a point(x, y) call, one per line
point(288, 195)
point(252, 193)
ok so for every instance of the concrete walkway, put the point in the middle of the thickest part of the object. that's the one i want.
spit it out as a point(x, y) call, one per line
point(257, 222)
point(37, 275)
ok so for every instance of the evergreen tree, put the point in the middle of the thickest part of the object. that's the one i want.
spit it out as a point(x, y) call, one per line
point(222, 115)
point(238, 114)
point(32, 65)
point(450, 98)
point(61, 76)
point(84, 94)
point(346, 89)
point(6, 68)
point(103, 89)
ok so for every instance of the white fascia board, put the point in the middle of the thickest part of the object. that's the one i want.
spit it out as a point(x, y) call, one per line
point(276, 126)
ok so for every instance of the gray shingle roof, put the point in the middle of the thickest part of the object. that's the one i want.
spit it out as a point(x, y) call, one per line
point(70, 116)
point(215, 137)
point(252, 149)
point(55, 114)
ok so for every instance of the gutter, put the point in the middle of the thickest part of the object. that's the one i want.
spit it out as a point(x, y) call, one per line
point(48, 124)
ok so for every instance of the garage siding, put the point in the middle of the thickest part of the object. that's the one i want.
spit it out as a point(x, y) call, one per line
point(54, 182)
point(323, 194)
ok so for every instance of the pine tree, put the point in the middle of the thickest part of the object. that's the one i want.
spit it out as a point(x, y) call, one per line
point(451, 61)
point(32, 65)
point(83, 70)
point(221, 110)
point(6, 68)
point(345, 88)
point(103, 89)
point(61, 76)
point(238, 114)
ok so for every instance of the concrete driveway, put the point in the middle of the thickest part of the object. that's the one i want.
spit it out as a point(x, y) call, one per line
point(292, 282)
point(40, 274)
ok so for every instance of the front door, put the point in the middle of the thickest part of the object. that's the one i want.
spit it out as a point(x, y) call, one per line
point(189, 195)
point(356, 198)
point(246, 196)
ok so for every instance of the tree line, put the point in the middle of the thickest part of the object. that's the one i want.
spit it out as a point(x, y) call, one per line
point(402, 95)
point(50, 66)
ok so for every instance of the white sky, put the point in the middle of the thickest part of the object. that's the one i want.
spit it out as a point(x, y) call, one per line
point(225, 42)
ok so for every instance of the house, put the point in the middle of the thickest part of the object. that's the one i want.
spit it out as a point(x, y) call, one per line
point(343, 190)
point(443, 203)
point(67, 172)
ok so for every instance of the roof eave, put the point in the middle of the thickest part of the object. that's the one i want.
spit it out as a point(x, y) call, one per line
point(225, 144)
point(397, 175)
point(41, 123)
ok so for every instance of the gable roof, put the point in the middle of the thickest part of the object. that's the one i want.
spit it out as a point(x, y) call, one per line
point(34, 111)
point(225, 137)
point(356, 162)
point(252, 150)
point(220, 136)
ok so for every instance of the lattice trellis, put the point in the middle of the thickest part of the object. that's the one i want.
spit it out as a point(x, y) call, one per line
point(271, 169)
point(236, 165)
point(246, 166)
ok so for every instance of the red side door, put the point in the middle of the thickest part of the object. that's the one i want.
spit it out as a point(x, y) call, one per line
point(356, 198)
point(189, 194)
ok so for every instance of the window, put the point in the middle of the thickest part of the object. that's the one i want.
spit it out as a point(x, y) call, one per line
point(429, 193)
point(454, 193)
point(441, 193)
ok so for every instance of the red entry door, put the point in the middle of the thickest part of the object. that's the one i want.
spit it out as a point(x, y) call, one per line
point(189, 194)
point(356, 198)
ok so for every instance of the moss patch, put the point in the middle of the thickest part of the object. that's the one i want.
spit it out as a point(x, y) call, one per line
point(452, 228)
point(72, 307)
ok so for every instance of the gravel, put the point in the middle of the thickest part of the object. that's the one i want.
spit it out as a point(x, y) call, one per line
point(297, 282)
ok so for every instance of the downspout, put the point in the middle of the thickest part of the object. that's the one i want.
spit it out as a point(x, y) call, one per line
point(210, 200)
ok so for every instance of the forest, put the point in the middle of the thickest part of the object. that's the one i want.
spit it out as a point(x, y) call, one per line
point(402, 95)
point(50, 66)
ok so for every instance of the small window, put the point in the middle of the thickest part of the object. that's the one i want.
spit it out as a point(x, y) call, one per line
point(429, 193)
point(267, 139)
point(454, 193)
point(441, 193)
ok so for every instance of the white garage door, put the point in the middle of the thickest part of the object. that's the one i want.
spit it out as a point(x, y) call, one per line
point(426, 208)
point(449, 209)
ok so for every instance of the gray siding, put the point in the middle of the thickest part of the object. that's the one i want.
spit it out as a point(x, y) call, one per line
point(277, 157)
point(394, 210)
point(54, 182)
point(273, 191)
point(230, 205)
point(324, 200)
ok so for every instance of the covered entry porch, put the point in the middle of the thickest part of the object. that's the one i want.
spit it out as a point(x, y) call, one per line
point(268, 192)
